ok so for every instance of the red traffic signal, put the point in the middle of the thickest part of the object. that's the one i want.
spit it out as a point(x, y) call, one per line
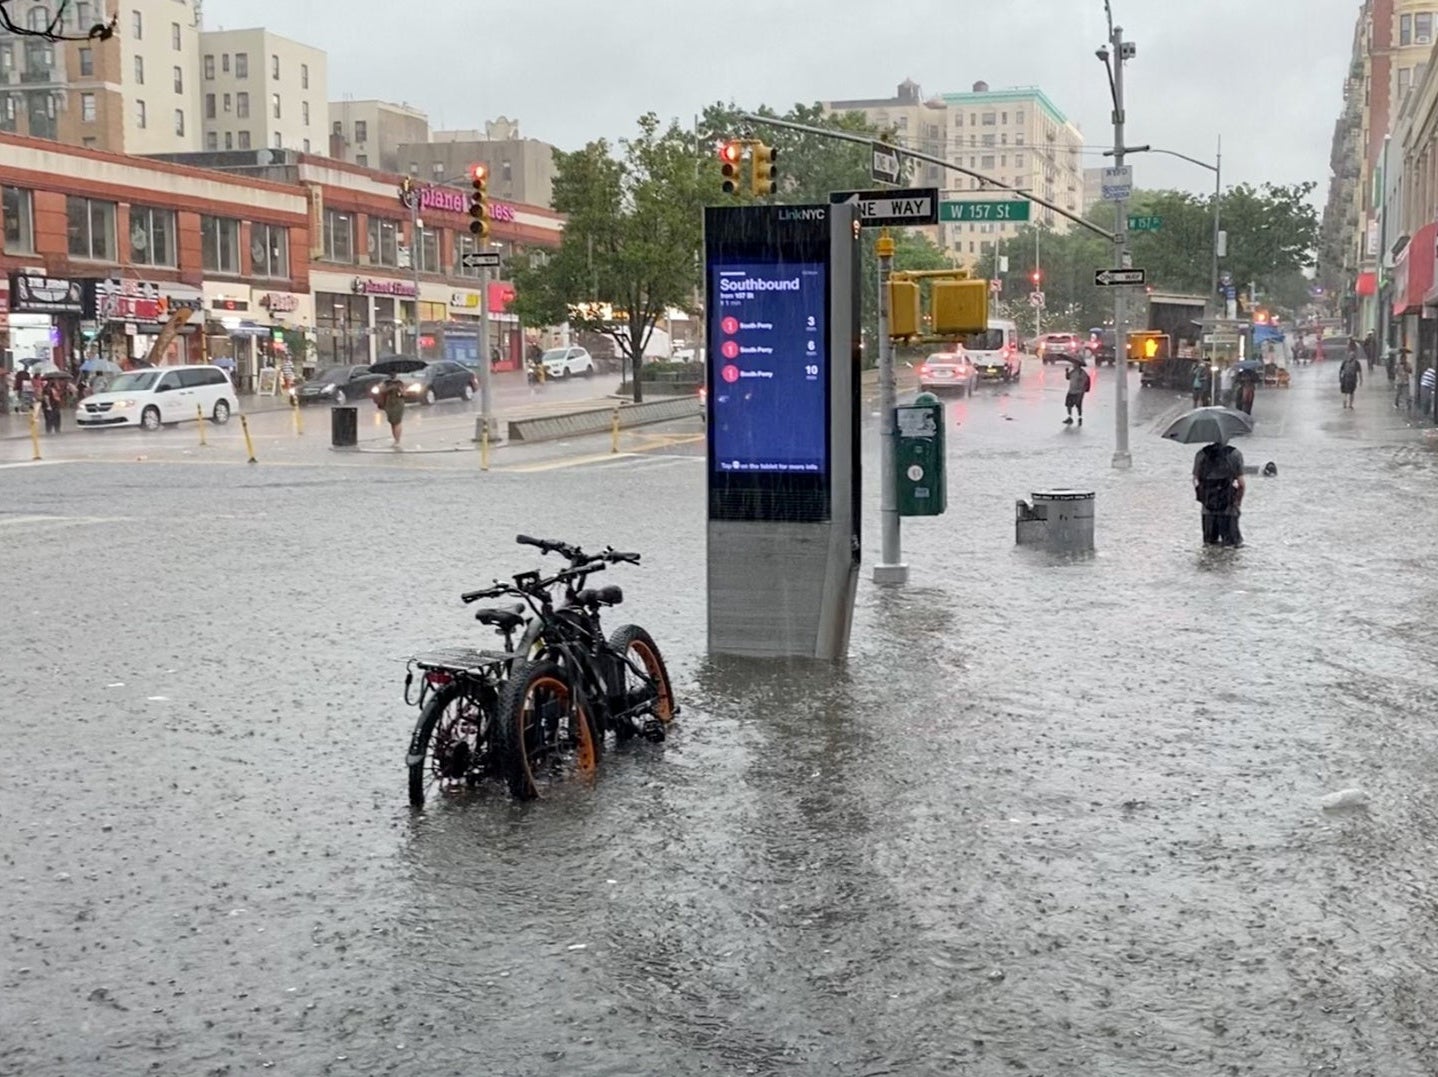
point(731, 154)
point(478, 174)
point(1036, 277)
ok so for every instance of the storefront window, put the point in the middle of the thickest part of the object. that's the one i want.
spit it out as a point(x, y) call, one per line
point(270, 250)
point(429, 250)
point(383, 242)
point(220, 244)
point(18, 210)
point(339, 236)
point(91, 228)
point(152, 236)
point(342, 328)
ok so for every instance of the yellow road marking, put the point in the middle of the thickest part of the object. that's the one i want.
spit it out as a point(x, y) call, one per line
point(568, 461)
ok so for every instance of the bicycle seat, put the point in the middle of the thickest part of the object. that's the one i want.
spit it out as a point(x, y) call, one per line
point(611, 595)
point(604, 596)
point(505, 618)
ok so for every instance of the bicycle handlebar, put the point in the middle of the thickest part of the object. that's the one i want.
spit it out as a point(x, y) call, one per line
point(534, 587)
point(574, 553)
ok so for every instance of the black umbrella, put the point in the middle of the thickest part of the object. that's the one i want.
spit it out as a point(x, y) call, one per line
point(55, 375)
point(397, 364)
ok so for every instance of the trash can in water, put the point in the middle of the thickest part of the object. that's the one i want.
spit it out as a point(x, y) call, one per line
point(344, 427)
point(1059, 520)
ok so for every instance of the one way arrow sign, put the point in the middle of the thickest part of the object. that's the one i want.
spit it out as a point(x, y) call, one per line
point(911, 207)
point(885, 167)
point(1109, 278)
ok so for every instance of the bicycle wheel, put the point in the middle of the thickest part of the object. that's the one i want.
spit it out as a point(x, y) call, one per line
point(639, 648)
point(452, 743)
point(547, 733)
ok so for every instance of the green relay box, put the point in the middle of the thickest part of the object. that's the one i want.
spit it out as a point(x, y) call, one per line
point(919, 457)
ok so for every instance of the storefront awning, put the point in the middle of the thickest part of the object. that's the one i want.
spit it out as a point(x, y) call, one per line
point(1413, 271)
point(1367, 284)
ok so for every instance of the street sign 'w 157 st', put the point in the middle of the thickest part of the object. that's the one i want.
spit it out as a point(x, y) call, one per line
point(914, 206)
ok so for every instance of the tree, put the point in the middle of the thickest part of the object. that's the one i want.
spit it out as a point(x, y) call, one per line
point(631, 237)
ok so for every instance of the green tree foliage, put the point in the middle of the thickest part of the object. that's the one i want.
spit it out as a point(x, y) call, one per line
point(631, 236)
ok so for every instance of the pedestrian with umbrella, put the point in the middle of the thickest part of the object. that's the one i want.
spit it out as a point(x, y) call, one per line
point(1350, 377)
point(1217, 469)
point(1078, 384)
point(390, 398)
point(52, 400)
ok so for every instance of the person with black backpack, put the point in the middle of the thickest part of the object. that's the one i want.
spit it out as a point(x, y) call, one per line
point(1079, 383)
point(1218, 486)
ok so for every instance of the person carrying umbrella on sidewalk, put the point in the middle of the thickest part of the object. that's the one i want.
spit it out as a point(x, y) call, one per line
point(1350, 377)
point(1217, 469)
point(1079, 384)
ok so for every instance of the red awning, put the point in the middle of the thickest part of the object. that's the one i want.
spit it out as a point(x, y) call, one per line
point(1367, 284)
point(1413, 273)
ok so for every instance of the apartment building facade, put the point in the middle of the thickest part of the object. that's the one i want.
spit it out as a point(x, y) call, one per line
point(520, 169)
point(370, 133)
point(262, 91)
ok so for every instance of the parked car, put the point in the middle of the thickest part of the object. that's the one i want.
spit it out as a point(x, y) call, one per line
point(436, 381)
point(564, 362)
point(1101, 346)
point(1054, 347)
point(948, 370)
point(995, 352)
point(161, 395)
point(337, 385)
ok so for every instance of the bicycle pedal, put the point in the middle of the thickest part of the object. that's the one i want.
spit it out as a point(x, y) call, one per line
point(653, 731)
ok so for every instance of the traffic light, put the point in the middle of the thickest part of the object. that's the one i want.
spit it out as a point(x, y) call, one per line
point(1036, 277)
point(764, 173)
point(479, 201)
point(730, 156)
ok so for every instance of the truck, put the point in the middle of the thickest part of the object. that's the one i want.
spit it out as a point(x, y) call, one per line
point(1175, 320)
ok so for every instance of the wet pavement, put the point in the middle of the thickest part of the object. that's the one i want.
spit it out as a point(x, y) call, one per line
point(1053, 816)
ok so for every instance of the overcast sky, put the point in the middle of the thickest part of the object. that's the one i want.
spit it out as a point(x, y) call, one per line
point(1266, 76)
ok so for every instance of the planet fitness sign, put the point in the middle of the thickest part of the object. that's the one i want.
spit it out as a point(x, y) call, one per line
point(450, 200)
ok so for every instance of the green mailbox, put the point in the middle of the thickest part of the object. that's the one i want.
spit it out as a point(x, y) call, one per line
point(919, 457)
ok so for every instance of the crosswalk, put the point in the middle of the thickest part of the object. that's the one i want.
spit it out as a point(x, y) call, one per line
point(624, 461)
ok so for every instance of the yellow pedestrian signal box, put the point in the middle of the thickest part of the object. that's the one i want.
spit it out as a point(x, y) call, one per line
point(960, 306)
point(905, 319)
point(919, 457)
point(1148, 347)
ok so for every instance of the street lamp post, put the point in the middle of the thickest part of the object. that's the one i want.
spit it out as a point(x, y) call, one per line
point(1113, 64)
point(1217, 169)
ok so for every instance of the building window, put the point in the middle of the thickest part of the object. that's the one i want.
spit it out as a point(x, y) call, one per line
point(212, 140)
point(38, 19)
point(87, 62)
point(338, 128)
point(1405, 29)
point(1019, 116)
point(437, 168)
point(220, 244)
point(989, 119)
point(269, 250)
point(229, 140)
point(383, 242)
point(304, 76)
point(1423, 28)
point(242, 65)
point(506, 171)
point(1018, 140)
point(179, 80)
point(87, 107)
point(209, 67)
point(305, 113)
point(1018, 160)
point(91, 228)
point(175, 36)
point(244, 140)
point(152, 236)
point(988, 140)
point(307, 146)
point(429, 250)
point(1405, 79)
point(275, 68)
point(986, 163)
point(362, 159)
point(137, 26)
point(82, 17)
point(275, 105)
point(140, 115)
point(361, 131)
point(179, 121)
point(139, 71)
point(17, 207)
point(209, 106)
point(242, 105)
point(225, 62)
point(339, 236)
point(227, 102)
point(278, 142)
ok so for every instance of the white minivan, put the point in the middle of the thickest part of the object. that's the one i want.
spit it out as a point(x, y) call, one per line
point(995, 352)
point(151, 398)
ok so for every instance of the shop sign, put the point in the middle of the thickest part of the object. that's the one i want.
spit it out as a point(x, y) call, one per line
point(369, 286)
point(37, 294)
point(445, 198)
point(464, 300)
point(501, 294)
point(225, 303)
point(501, 211)
point(280, 302)
point(119, 299)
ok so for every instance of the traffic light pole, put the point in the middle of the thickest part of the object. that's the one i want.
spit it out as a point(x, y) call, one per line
point(414, 242)
point(1122, 459)
point(486, 398)
point(890, 569)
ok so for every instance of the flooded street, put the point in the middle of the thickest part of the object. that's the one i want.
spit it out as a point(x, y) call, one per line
point(1053, 817)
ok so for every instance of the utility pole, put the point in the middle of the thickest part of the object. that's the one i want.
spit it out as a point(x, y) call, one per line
point(890, 569)
point(412, 197)
point(1121, 51)
point(1219, 305)
point(1038, 286)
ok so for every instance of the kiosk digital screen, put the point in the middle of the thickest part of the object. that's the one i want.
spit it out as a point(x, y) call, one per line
point(769, 368)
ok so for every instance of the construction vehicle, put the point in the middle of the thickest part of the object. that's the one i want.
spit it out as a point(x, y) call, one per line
point(1169, 345)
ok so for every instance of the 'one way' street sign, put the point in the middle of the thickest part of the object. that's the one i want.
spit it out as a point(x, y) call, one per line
point(914, 206)
point(480, 260)
point(886, 167)
point(1108, 278)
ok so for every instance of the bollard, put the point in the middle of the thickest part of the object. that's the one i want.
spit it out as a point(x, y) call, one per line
point(200, 422)
point(484, 447)
point(299, 423)
point(35, 432)
point(249, 444)
point(614, 431)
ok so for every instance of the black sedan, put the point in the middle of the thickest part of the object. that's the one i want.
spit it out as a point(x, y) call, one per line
point(338, 385)
point(438, 380)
